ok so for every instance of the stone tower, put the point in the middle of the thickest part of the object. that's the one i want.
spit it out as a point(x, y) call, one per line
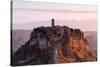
point(53, 22)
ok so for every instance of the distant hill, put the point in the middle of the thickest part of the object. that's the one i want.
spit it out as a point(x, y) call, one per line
point(77, 24)
point(91, 36)
point(19, 37)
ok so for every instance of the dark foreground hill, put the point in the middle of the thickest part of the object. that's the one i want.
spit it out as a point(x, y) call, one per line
point(58, 44)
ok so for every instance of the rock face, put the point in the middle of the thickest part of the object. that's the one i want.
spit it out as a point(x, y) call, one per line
point(57, 44)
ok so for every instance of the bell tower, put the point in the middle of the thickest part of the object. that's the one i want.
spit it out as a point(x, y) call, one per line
point(53, 22)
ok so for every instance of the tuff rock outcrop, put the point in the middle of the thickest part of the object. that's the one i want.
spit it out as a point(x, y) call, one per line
point(57, 44)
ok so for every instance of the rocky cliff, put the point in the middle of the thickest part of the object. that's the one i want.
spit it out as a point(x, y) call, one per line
point(57, 44)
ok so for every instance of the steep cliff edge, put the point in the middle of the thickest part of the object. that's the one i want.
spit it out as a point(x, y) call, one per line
point(57, 44)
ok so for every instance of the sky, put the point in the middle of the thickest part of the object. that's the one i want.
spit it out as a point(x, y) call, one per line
point(29, 15)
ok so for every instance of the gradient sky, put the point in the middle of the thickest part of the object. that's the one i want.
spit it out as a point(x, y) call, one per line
point(37, 14)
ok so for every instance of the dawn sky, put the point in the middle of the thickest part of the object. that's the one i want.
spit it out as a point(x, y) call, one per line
point(38, 14)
